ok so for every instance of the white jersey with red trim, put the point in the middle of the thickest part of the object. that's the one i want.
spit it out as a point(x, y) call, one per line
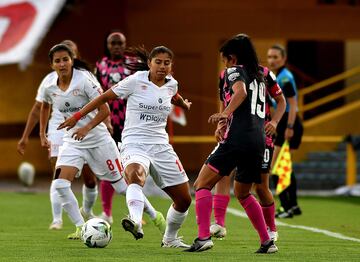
point(83, 88)
point(147, 110)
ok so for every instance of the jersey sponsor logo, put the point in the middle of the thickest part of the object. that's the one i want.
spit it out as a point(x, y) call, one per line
point(160, 101)
point(233, 76)
point(67, 104)
point(154, 118)
point(154, 108)
point(70, 109)
point(231, 70)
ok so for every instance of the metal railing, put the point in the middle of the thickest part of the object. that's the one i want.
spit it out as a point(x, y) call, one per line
point(331, 97)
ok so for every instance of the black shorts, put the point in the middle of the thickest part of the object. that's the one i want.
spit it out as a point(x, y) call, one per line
point(225, 158)
point(295, 141)
point(266, 162)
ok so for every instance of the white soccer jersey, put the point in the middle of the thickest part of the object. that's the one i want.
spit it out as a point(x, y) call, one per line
point(83, 88)
point(56, 117)
point(148, 107)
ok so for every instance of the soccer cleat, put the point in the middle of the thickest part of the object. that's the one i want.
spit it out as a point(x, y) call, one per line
point(86, 215)
point(267, 248)
point(295, 210)
point(76, 235)
point(135, 229)
point(200, 245)
point(56, 225)
point(107, 218)
point(217, 231)
point(281, 213)
point(175, 243)
point(159, 222)
point(273, 235)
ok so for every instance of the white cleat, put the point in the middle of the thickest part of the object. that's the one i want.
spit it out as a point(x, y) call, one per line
point(56, 225)
point(273, 235)
point(217, 231)
point(175, 243)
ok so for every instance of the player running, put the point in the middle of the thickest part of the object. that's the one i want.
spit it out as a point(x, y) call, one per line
point(145, 144)
point(68, 92)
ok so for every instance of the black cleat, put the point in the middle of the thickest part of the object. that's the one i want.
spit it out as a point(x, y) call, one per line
point(295, 210)
point(281, 213)
point(129, 225)
point(267, 248)
point(200, 245)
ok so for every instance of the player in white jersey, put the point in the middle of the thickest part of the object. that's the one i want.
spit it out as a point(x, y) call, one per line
point(145, 144)
point(55, 137)
point(68, 93)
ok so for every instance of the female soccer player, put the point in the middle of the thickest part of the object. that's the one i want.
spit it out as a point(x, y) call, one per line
point(56, 140)
point(243, 145)
point(69, 91)
point(145, 144)
point(222, 189)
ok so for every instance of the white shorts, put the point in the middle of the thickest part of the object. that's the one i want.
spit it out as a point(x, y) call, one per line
point(103, 160)
point(160, 161)
point(56, 140)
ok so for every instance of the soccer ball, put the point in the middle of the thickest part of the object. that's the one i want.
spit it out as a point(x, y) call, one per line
point(26, 173)
point(96, 232)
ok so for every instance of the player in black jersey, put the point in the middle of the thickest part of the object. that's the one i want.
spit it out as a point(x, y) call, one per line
point(243, 145)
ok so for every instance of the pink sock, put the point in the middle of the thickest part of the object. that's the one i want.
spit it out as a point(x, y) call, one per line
point(203, 206)
point(107, 193)
point(269, 216)
point(255, 214)
point(220, 204)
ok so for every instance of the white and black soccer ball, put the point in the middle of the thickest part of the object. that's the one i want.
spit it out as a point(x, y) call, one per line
point(26, 173)
point(96, 232)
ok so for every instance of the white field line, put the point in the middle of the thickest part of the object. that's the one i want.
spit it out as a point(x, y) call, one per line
point(239, 213)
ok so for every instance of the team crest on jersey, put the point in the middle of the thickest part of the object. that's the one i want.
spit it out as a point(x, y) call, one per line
point(76, 92)
point(143, 87)
point(160, 101)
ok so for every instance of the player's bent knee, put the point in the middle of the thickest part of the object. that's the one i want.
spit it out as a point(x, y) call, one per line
point(90, 182)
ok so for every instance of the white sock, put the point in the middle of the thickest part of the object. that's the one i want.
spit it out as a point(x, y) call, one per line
point(174, 220)
point(120, 186)
point(89, 197)
point(135, 202)
point(69, 201)
point(56, 206)
point(149, 209)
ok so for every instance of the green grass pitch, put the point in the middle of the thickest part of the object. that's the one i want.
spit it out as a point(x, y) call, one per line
point(25, 217)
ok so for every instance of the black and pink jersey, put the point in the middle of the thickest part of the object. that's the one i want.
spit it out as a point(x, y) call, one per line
point(245, 127)
point(272, 90)
point(109, 73)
